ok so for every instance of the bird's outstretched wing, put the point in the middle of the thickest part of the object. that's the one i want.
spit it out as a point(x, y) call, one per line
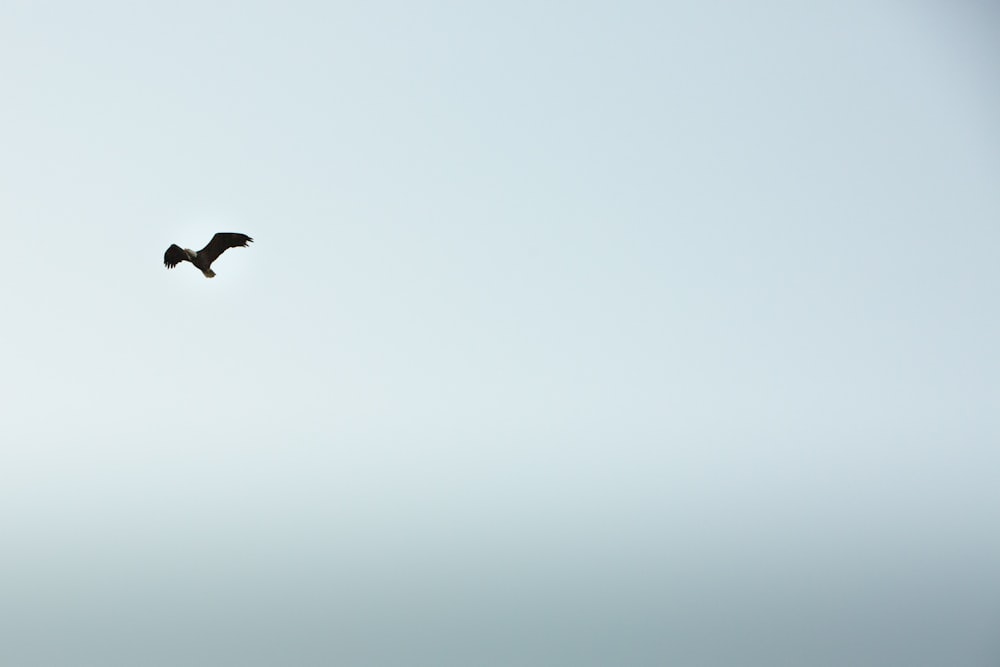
point(174, 256)
point(222, 242)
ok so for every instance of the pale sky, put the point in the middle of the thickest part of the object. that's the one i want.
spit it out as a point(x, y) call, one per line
point(599, 333)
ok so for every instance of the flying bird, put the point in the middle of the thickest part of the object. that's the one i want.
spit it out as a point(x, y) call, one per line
point(203, 258)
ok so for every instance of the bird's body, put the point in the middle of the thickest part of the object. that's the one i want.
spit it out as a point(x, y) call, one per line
point(203, 258)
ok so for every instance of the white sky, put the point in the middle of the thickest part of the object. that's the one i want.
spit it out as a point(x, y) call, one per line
point(631, 333)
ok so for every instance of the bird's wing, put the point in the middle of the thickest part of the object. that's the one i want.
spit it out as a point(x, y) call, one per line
point(174, 256)
point(222, 242)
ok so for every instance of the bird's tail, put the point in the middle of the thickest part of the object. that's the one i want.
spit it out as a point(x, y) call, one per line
point(209, 273)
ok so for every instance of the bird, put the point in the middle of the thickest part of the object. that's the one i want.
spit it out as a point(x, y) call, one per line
point(203, 258)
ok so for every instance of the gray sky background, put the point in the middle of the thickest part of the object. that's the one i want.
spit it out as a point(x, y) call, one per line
point(633, 333)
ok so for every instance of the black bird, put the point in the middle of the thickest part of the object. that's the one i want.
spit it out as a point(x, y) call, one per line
point(203, 258)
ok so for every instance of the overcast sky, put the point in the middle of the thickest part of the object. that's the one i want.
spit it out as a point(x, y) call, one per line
point(597, 333)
